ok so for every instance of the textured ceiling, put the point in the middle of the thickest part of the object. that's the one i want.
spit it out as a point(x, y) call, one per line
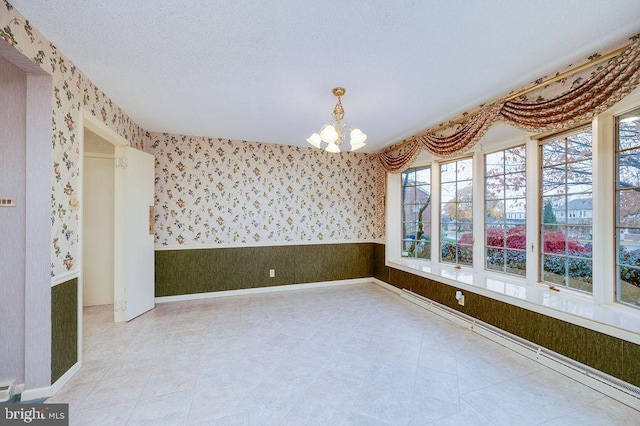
point(263, 70)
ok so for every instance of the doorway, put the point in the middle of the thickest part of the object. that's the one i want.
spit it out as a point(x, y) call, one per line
point(96, 284)
point(116, 241)
point(98, 189)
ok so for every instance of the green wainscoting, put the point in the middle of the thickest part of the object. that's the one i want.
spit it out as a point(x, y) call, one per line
point(64, 328)
point(612, 355)
point(631, 363)
point(192, 271)
point(380, 270)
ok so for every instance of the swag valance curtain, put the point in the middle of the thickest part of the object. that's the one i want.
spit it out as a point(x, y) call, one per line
point(605, 87)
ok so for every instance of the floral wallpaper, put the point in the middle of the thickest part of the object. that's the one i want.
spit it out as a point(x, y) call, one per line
point(220, 191)
point(72, 92)
point(209, 191)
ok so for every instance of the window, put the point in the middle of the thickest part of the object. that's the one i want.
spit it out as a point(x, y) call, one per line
point(577, 193)
point(416, 213)
point(504, 205)
point(456, 202)
point(567, 185)
point(628, 208)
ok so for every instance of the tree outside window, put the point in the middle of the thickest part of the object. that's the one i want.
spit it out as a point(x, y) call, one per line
point(628, 208)
point(567, 186)
point(456, 221)
point(565, 212)
point(416, 213)
point(505, 211)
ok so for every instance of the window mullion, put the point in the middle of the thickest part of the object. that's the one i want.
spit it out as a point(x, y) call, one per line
point(478, 213)
point(603, 210)
point(533, 211)
point(435, 211)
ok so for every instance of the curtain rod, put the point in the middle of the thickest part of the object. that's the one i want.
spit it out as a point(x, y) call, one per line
point(464, 116)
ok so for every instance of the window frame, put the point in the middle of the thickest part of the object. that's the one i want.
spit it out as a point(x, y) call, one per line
point(471, 247)
point(617, 190)
point(569, 213)
point(403, 206)
point(601, 306)
point(517, 215)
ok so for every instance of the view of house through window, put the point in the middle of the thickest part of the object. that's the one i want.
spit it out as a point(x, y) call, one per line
point(505, 211)
point(456, 206)
point(416, 213)
point(562, 210)
point(628, 208)
point(566, 211)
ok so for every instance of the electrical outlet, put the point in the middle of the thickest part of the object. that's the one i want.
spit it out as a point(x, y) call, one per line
point(272, 273)
point(460, 297)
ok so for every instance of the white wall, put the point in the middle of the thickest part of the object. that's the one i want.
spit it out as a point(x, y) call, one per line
point(13, 88)
point(25, 250)
point(38, 230)
point(97, 242)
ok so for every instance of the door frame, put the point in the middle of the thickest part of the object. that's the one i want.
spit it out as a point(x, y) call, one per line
point(95, 125)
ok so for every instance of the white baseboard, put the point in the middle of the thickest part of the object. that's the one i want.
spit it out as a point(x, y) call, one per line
point(258, 290)
point(48, 391)
point(386, 286)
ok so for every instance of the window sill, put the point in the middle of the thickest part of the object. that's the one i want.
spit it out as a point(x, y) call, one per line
point(614, 320)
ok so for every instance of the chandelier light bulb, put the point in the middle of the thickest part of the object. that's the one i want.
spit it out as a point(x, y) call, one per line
point(333, 148)
point(315, 140)
point(357, 146)
point(329, 133)
point(357, 137)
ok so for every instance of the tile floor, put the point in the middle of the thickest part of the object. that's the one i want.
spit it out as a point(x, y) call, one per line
point(352, 355)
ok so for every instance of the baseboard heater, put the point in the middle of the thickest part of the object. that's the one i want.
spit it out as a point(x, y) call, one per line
point(615, 388)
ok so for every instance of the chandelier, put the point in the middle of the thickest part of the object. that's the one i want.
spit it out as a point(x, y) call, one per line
point(334, 133)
